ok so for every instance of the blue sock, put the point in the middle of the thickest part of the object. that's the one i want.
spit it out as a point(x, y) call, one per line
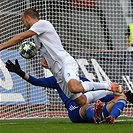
point(90, 114)
point(107, 98)
point(118, 108)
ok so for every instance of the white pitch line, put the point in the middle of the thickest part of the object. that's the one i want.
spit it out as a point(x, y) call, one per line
point(124, 120)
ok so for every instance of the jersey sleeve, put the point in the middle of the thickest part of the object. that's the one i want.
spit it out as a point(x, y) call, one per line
point(40, 27)
point(49, 82)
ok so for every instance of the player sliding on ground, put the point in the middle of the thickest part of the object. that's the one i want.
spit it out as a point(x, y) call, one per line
point(98, 113)
point(62, 65)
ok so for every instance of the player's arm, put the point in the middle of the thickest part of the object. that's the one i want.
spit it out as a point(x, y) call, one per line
point(17, 39)
point(49, 82)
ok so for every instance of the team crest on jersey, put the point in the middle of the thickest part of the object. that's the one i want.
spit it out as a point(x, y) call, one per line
point(45, 52)
point(68, 74)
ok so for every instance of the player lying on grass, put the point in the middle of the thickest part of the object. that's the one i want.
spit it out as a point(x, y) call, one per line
point(87, 113)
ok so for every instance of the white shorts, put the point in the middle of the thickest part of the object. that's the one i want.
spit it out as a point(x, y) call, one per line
point(70, 70)
point(63, 85)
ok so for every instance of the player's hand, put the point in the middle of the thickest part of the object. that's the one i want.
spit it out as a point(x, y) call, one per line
point(15, 68)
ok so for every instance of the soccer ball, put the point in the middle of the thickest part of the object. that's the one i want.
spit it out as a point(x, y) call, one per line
point(27, 49)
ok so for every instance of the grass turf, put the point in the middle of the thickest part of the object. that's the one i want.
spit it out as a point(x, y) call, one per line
point(63, 126)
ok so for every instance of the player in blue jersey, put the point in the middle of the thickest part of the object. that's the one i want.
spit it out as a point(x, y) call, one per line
point(85, 114)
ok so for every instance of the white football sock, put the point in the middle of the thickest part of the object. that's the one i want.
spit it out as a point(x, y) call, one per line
point(88, 86)
point(93, 96)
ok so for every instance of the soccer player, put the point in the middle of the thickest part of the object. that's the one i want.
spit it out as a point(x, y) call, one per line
point(85, 114)
point(62, 65)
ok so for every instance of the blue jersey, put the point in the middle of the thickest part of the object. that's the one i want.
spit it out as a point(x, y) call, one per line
point(72, 108)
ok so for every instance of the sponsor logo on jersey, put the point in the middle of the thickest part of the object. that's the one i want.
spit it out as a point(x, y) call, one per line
point(73, 107)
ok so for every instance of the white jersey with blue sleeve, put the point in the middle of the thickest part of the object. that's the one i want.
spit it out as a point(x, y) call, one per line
point(48, 36)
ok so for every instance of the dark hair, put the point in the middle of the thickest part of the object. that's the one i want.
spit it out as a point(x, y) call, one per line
point(31, 12)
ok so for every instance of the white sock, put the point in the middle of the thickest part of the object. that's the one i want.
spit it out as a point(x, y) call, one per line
point(109, 92)
point(88, 86)
point(93, 96)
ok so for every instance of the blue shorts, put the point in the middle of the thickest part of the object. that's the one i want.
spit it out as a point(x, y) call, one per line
point(74, 112)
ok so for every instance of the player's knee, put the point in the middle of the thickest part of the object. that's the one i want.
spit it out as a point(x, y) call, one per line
point(80, 101)
point(74, 86)
point(73, 89)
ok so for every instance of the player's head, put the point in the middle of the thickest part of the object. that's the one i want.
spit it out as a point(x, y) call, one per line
point(29, 16)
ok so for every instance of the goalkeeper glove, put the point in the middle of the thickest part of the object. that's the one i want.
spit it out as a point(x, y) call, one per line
point(15, 68)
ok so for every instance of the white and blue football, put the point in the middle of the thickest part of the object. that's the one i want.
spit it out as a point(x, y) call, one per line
point(27, 50)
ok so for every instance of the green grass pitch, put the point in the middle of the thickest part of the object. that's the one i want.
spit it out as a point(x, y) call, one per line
point(64, 125)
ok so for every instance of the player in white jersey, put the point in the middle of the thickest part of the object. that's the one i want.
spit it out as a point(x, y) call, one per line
point(62, 65)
